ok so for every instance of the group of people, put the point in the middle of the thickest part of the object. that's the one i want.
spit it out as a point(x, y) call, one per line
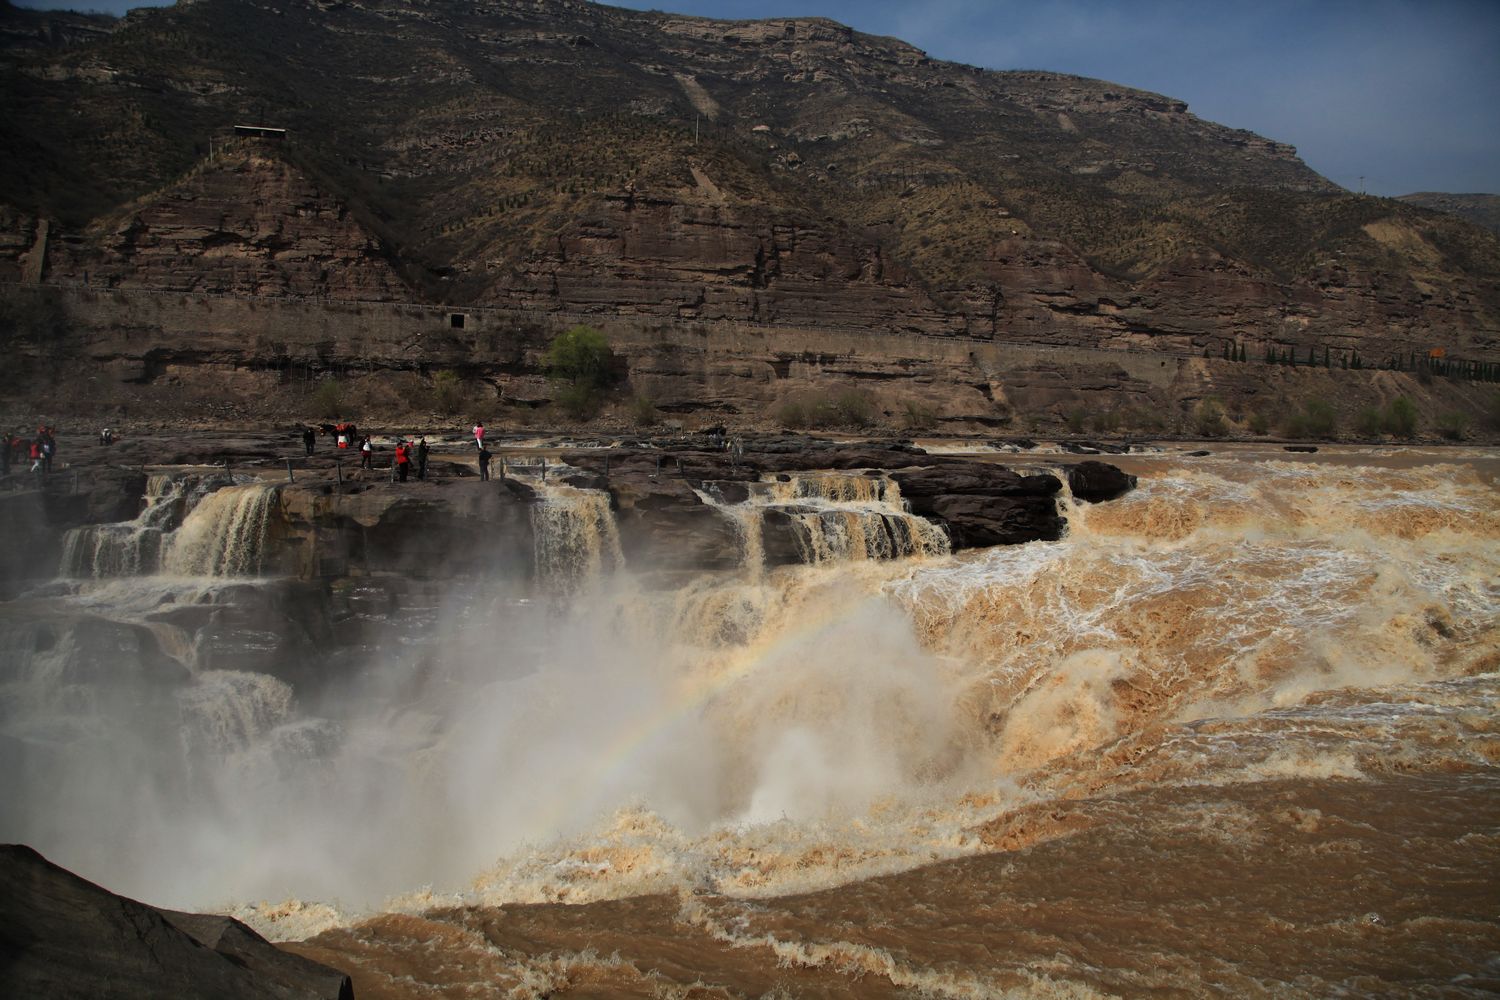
point(407, 455)
point(409, 452)
point(15, 449)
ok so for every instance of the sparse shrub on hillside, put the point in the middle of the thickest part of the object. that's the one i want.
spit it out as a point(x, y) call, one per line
point(853, 408)
point(918, 415)
point(1370, 422)
point(846, 408)
point(1106, 422)
point(1316, 419)
point(1208, 419)
point(643, 411)
point(328, 398)
point(793, 415)
point(1398, 418)
point(1453, 425)
point(1259, 424)
point(447, 392)
point(1076, 420)
point(1401, 417)
point(1146, 420)
point(579, 402)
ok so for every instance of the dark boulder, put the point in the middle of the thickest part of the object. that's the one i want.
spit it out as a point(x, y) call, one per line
point(665, 525)
point(63, 936)
point(976, 521)
point(980, 504)
point(1095, 482)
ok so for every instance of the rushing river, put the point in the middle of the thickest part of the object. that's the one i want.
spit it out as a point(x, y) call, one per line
point(1236, 734)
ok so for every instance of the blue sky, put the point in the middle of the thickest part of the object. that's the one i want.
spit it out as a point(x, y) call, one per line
point(1403, 94)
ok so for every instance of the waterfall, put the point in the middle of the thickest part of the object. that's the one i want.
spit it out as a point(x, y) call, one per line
point(131, 548)
point(224, 535)
point(837, 518)
point(575, 536)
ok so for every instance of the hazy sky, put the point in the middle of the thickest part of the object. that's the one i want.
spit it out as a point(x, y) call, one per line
point(1405, 94)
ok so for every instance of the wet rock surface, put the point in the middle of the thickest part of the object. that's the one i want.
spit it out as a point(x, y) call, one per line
point(63, 936)
point(1097, 482)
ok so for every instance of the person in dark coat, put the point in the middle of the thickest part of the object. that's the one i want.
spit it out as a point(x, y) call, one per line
point(422, 457)
point(484, 463)
point(309, 438)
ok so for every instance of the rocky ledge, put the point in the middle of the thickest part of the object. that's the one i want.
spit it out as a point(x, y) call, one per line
point(63, 936)
point(673, 506)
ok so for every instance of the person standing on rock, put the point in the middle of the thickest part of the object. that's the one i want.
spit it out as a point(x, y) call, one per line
point(309, 438)
point(479, 435)
point(49, 448)
point(403, 460)
point(422, 457)
point(366, 454)
point(484, 464)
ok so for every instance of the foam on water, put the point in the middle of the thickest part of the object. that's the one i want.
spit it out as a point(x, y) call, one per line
point(807, 727)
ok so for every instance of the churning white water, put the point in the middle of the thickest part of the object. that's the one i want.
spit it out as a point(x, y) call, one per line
point(758, 733)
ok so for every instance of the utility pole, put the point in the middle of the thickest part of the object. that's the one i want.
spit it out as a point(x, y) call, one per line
point(1361, 183)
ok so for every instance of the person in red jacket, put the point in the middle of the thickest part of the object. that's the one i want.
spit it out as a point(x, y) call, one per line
point(403, 461)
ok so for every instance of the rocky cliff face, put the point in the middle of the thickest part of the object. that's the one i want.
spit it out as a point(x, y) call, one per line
point(245, 223)
point(587, 161)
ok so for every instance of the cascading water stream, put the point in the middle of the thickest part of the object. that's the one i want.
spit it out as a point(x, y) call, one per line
point(838, 518)
point(574, 535)
point(132, 548)
point(225, 534)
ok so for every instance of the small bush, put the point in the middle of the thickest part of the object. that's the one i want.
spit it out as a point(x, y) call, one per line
point(447, 392)
point(1370, 422)
point(1316, 419)
point(1076, 420)
point(793, 415)
point(1147, 420)
point(1453, 425)
point(1260, 424)
point(1401, 417)
point(1107, 422)
point(852, 408)
point(643, 411)
point(918, 415)
point(580, 402)
point(328, 398)
point(1208, 419)
point(849, 408)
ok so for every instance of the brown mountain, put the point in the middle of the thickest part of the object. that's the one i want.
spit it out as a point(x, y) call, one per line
point(564, 157)
point(1480, 209)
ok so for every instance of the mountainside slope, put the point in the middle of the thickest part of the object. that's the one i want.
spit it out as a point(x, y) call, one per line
point(568, 156)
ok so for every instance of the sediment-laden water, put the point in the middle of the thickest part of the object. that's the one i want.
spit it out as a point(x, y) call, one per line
point(1236, 734)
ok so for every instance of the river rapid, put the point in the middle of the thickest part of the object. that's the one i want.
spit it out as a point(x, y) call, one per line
point(1236, 734)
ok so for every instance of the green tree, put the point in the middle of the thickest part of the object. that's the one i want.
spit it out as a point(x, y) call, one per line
point(581, 362)
point(581, 357)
